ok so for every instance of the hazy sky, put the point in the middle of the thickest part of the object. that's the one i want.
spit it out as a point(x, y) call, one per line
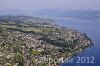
point(50, 4)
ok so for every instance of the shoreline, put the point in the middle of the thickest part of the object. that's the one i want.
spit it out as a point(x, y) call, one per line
point(45, 39)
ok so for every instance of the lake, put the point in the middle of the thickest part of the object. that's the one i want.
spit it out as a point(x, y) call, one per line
point(92, 29)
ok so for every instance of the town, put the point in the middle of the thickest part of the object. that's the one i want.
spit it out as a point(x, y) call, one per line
point(31, 41)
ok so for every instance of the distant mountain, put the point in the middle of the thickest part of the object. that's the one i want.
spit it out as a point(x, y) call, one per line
point(83, 14)
point(12, 12)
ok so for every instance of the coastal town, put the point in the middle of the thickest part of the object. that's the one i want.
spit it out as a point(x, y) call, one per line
point(30, 41)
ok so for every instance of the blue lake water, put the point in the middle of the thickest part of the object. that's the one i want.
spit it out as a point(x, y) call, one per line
point(92, 29)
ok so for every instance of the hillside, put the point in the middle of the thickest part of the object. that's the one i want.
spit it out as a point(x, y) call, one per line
point(26, 41)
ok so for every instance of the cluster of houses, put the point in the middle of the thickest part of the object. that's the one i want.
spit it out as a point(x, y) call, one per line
point(27, 49)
